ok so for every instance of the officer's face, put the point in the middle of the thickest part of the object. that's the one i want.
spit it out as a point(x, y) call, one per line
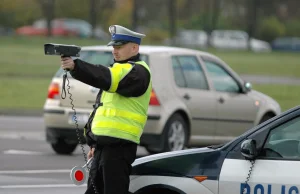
point(125, 51)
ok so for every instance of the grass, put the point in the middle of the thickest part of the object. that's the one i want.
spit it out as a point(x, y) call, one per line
point(26, 72)
point(23, 93)
point(286, 95)
point(22, 56)
point(272, 64)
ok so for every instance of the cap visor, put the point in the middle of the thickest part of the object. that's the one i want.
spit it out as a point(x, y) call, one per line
point(116, 43)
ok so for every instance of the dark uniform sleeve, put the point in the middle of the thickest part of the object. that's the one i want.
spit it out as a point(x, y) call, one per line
point(134, 84)
point(97, 76)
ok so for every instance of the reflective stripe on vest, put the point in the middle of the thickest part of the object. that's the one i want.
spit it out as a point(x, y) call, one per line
point(122, 117)
point(132, 130)
point(111, 112)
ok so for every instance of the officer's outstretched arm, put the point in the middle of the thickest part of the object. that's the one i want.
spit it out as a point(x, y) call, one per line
point(126, 79)
point(98, 76)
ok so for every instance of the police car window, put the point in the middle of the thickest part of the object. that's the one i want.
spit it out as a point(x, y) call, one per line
point(178, 74)
point(284, 141)
point(222, 80)
point(192, 72)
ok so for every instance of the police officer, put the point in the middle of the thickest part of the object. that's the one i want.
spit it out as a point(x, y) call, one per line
point(116, 124)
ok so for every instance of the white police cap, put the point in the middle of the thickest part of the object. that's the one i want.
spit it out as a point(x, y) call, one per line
point(121, 35)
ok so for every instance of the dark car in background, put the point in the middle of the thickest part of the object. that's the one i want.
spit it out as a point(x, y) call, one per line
point(286, 44)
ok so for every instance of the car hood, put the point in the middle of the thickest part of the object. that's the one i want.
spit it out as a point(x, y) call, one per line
point(188, 163)
point(169, 155)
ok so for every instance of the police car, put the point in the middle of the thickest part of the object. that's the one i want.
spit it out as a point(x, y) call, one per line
point(263, 160)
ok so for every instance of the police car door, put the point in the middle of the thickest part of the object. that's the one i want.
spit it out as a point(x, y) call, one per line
point(277, 167)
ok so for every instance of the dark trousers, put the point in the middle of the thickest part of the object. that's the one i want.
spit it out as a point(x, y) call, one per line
point(111, 167)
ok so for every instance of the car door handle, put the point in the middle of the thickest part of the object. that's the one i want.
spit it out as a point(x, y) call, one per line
point(221, 100)
point(186, 96)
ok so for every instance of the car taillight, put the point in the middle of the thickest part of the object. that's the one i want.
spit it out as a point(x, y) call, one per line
point(53, 91)
point(153, 99)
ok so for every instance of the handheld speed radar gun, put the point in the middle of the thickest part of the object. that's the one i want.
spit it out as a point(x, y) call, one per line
point(62, 50)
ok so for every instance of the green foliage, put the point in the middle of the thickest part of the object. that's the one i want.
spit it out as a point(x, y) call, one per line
point(270, 28)
point(67, 9)
point(156, 35)
point(293, 27)
point(190, 14)
point(197, 21)
point(227, 23)
point(15, 13)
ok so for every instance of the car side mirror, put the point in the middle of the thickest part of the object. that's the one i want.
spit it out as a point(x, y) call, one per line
point(248, 86)
point(248, 149)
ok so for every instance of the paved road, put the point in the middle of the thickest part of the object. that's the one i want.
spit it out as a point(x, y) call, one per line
point(28, 164)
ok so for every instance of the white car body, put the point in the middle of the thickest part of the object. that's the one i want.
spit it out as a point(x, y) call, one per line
point(237, 40)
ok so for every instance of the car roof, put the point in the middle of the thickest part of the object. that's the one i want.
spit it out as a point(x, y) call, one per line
point(147, 49)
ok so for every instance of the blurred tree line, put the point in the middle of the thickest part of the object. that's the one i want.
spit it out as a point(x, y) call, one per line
point(264, 19)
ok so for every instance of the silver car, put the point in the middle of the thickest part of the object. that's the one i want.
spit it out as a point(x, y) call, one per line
point(197, 100)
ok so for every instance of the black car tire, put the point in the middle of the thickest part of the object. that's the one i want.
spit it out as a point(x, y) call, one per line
point(265, 118)
point(152, 151)
point(63, 148)
point(175, 121)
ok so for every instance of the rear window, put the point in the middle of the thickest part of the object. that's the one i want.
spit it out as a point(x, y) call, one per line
point(98, 57)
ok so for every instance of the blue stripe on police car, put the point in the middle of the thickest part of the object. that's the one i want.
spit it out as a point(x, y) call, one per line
point(260, 189)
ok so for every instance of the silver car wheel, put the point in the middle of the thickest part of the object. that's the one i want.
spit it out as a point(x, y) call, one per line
point(176, 136)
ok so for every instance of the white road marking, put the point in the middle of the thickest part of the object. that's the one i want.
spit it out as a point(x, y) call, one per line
point(22, 135)
point(34, 171)
point(22, 152)
point(39, 186)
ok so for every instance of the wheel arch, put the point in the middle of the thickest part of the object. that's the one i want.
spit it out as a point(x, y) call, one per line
point(159, 187)
point(185, 117)
point(268, 114)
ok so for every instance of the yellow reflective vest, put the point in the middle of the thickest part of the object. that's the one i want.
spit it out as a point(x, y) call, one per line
point(122, 117)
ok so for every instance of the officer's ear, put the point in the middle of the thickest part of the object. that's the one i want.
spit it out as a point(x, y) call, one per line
point(135, 47)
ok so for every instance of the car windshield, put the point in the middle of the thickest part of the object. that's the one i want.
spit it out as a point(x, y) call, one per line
point(98, 58)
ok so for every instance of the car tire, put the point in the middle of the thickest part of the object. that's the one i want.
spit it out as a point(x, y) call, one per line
point(158, 190)
point(63, 148)
point(265, 118)
point(175, 134)
point(152, 151)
